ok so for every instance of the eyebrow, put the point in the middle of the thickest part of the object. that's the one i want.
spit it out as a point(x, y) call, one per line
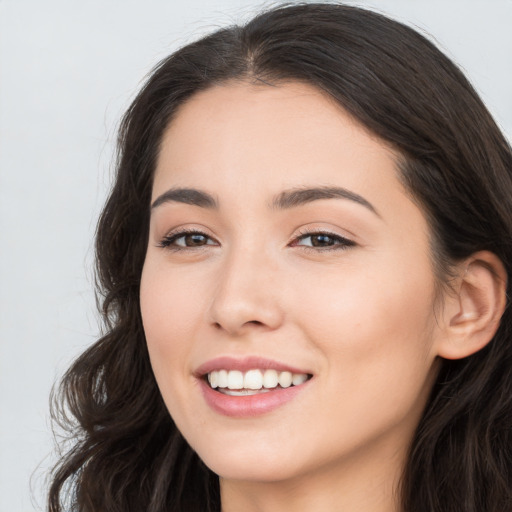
point(299, 196)
point(188, 196)
point(283, 201)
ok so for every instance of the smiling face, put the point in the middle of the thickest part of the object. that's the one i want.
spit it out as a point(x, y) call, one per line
point(282, 241)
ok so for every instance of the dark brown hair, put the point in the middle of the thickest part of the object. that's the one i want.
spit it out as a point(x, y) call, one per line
point(127, 454)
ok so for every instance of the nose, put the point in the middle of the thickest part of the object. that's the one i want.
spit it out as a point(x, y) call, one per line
point(247, 294)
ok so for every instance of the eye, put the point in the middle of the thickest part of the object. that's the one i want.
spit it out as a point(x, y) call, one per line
point(322, 240)
point(185, 239)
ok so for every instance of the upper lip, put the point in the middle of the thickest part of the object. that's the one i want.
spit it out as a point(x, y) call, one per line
point(244, 364)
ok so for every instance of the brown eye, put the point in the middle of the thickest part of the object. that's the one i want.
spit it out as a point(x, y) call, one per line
point(187, 240)
point(193, 240)
point(323, 240)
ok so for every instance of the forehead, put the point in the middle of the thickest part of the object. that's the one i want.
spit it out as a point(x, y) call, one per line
point(292, 132)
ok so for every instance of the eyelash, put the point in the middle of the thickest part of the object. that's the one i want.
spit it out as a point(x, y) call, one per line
point(340, 243)
point(168, 241)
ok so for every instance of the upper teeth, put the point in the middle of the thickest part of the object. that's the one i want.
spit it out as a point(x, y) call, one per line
point(254, 379)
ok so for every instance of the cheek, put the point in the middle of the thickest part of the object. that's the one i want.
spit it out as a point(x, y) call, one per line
point(375, 329)
point(365, 299)
point(169, 305)
point(375, 338)
point(170, 313)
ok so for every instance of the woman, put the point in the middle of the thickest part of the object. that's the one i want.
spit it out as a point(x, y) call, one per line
point(304, 263)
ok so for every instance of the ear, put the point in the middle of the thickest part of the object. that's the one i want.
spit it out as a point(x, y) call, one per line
point(473, 312)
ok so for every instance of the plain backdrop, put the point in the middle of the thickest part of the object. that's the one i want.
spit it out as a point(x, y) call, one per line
point(68, 69)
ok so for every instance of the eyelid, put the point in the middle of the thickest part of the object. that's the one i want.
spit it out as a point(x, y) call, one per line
point(166, 242)
point(343, 241)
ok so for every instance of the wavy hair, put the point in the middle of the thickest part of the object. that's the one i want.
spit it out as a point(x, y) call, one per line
point(127, 454)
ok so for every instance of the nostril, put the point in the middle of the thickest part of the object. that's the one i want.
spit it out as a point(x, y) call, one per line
point(218, 326)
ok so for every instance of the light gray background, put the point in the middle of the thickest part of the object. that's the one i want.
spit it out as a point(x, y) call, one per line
point(67, 72)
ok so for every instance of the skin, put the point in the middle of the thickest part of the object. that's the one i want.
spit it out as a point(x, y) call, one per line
point(361, 318)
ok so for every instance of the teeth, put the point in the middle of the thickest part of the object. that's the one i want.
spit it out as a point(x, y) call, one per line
point(270, 379)
point(297, 379)
point(243, 392)
point(241, 384)
point(214, 379)
point(253, 379)
point(285, 379)
point(223, 379)
point(235, 379)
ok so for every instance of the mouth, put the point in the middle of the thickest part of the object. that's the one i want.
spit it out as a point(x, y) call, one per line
point(251, 386)
point(254, 381)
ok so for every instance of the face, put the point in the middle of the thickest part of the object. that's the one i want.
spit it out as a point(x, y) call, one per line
point(284, 248)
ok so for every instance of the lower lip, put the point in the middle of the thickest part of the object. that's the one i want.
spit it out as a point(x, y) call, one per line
point(249, 405)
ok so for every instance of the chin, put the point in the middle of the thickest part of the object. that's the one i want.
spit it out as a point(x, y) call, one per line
point(249, 462)
point(251, 471)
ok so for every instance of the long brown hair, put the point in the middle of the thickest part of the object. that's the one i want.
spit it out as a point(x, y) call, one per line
point(127, 454)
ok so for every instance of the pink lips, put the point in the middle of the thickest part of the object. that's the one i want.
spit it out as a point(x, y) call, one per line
point(251, 405)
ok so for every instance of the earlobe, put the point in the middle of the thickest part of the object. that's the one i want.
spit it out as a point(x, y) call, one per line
point(474, 312)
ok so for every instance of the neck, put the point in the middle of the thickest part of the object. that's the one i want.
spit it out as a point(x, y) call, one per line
point(362, 483)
